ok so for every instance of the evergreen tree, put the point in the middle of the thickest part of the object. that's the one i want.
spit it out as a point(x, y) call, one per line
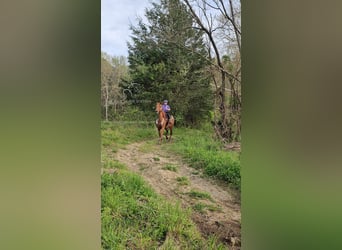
point(165, 62)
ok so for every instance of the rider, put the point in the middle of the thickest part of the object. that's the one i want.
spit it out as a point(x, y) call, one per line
point(166, 109)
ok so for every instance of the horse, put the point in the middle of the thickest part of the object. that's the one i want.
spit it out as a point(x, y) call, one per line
point(161, 123)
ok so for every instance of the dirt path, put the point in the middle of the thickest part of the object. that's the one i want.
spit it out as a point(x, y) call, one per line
point(217, 213)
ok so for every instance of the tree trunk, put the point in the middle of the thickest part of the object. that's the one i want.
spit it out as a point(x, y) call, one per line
point(106, 102)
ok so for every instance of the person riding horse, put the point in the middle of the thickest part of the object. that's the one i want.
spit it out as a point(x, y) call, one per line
point(165, 121)
point(166, 109)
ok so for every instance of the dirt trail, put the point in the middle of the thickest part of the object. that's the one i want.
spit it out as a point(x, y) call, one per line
point(218, 214)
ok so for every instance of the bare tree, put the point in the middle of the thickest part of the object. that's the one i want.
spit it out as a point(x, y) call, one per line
point(220, 21)
point(113, 69)
point(106, 80)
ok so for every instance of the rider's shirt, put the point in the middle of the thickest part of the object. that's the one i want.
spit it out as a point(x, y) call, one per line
point(166, 108)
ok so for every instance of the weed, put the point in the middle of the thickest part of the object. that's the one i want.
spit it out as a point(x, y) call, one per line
point(170, 167)
point(183, 180)
point(202, 207)
point(213, 208)
point(199, 207)
point(199, 195)
point(212, 244)
point(156, 158)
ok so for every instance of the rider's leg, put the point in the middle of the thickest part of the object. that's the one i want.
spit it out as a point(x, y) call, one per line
point(167, 117)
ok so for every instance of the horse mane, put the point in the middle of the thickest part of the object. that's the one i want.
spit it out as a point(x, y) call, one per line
point(159, 106)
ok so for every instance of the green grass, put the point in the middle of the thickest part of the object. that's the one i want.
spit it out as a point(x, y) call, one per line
point(198, 147)
point(117, 135)
point(170, 167)
point(133, 216)
point(202, 151)
point(202, 207)
point(199, 195)
point(147, 146)
point(199, 207)
point(113, 164)
point(183, 180)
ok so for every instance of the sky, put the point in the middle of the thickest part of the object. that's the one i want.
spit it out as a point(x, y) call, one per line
point(116, 17)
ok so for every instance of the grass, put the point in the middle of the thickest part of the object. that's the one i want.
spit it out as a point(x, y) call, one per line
point(183, 180)
point(198, 147)
point(199, 195)
point(117, 135)
point(170, 167)
point(195, 173)
point(202, 207)
point(202, 151)
point(113, 164)
point(147, 147)
point(133, 216)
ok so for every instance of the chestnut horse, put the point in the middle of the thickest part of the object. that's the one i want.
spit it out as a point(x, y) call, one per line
point(161, 123)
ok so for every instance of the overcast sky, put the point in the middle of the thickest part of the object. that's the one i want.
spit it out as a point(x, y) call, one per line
point(116, 16)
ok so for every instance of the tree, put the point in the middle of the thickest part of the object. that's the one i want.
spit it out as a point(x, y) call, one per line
point(165, 61)
point(113, 69)
point(220, 22)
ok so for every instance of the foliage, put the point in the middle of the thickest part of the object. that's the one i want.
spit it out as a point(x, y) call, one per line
point(113, 69)
point(165, 63)
point(188, 52)
point(133, 114)
point(221, 23)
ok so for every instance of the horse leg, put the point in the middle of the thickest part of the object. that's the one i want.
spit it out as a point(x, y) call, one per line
point(159, 136)
point(161, 133)
point(170, 134)
point(167, 132)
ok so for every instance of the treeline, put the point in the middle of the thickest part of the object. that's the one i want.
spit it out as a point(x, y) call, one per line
point(187, 52)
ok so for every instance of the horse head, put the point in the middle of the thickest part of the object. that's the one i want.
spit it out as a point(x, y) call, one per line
point(158, 107)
